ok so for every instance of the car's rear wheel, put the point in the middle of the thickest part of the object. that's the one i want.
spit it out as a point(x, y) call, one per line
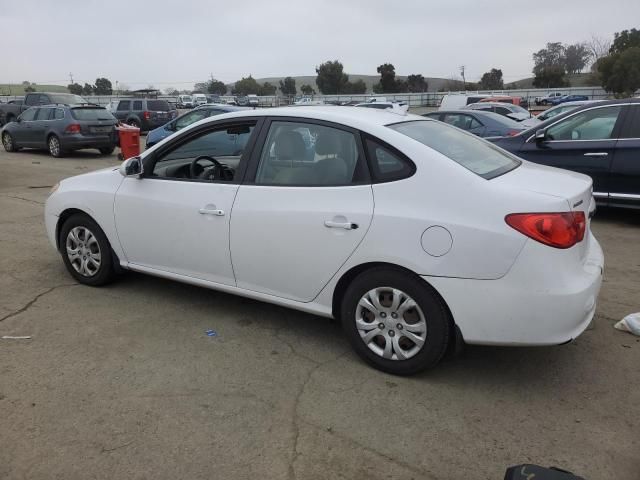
point(55, 149)
point(107, 150)
point(395, 321)
point(8, 142)
point(86, 251)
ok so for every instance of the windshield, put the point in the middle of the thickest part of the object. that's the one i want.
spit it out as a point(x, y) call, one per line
point(473, 153)
point(67, 98)
point(95, 113)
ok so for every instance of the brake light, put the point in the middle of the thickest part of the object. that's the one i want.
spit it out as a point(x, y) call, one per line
point(72, 128)
point(558, 230)
point(146, 115)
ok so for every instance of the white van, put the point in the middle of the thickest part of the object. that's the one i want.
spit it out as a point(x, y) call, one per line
point(455, 101)
point(199, 99)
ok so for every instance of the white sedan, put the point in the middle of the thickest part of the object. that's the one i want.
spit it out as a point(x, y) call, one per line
point(413, 233)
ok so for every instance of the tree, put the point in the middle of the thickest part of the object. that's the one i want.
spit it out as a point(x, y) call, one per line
point(87, 89)
point(200, 87)
point(75, 88)
point(575, 57)
point(103, 87)
point(266, 89)
point(171, 91)
point(624, 40)
point(597, 47)
point(620, 72)
point(246, 86)
point(288, 86)
point(29, 88)
point(417, 84)
point(307, 90)
point(216, 87)
point(387, 83)
point(492, 80)
point(355, 88)
point(550, 77)
point(331, 79)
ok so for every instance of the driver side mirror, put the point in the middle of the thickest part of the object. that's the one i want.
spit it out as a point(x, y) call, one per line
point(541, 135)
point(131, 167)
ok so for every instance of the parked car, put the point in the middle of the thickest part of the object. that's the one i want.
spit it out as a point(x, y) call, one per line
point(253, 100)
point(199, 99)
point(546, 100)
point(568, 98)
point(502, 255)
point(242, 101)
point(214, 99)
point(479, 122)
point(160, 133)
point(514, 112)
point(144, 113)
point(308, 101)
point(380, 105)
point(455, 101)
point(506, 99)
point(601, 140)
point(9, 112)
point(61, 129)
point(185, 101)
point(562, 108)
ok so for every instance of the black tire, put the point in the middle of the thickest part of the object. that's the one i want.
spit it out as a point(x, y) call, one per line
point(105, 272)
point(429, 302)
point(8, 142)
point(54, 147)
point(107, 150)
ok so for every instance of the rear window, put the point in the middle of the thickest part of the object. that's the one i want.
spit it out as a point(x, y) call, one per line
point(158, 105)
point(473, 153)
point(91, 114)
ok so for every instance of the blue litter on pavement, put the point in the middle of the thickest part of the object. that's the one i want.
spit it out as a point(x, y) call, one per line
point(211, 333)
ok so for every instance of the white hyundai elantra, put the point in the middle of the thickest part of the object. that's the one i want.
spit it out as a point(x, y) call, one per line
point(415, 234)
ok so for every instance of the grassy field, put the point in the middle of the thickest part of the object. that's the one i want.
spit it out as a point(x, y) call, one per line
point(577, 80)
point(18, 88)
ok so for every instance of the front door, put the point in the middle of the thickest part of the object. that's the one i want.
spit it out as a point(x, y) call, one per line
point(304, 210)
point(176, 218)
point(584, 142)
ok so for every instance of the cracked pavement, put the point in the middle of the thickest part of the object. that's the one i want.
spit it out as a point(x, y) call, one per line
point(122, 382)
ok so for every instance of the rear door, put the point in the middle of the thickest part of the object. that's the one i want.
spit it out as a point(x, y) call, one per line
point(583, 142)
point(624, 179)
point(306, 207)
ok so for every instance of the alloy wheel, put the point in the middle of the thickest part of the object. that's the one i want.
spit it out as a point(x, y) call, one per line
point(54, 146)
point(391, 323)
point(7, 141)
point(83, 251)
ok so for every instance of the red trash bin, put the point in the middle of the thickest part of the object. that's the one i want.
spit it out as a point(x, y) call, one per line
point(129, 141)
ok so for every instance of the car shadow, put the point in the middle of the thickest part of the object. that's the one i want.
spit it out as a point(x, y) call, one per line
point(77, 154)
point(620, 216)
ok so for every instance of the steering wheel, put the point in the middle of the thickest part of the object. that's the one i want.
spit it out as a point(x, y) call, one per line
point(211, 174)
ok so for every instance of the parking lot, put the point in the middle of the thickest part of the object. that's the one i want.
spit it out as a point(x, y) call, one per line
point(123, 381)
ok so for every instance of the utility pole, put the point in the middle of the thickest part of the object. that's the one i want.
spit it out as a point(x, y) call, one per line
point(464, 81)
point(71, 77)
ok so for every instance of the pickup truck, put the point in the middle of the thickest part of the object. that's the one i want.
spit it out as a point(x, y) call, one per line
point(9, 112)
point(546, 100)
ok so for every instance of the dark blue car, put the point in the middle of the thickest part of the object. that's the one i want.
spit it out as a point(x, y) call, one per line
point(160, 133)
point(568, 98)
point(601, 140)
point(480, 123)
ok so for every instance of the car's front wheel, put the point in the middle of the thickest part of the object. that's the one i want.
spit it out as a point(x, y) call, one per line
point(107, 150)
point(55, 149)
point(86, 251)
point(8, 142)
point(395, 321)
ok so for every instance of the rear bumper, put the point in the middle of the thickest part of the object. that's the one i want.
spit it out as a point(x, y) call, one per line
point(73, 142)
point(533, 304)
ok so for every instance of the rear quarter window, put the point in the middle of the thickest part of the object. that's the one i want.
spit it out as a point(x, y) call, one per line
point(469, 151)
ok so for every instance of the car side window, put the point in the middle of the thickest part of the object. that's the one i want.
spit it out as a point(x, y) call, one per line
point(124, 105)
point(32, 99)
point(189, 118)
point(465, 122)
point(214, 155)
point(44, 114)
point(137, 105)
point(593, 124)
point(387, 164)
point(632, 128)
point(28, 115)
point(307, 154)
point(59, 115)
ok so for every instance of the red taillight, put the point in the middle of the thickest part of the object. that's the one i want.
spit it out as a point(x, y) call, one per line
point(559, 230)
point(72, 128)
point(513, 133)
point(146, 115)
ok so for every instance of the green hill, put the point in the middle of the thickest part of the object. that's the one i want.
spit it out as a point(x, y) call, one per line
point(18, 88)
point(576, 80)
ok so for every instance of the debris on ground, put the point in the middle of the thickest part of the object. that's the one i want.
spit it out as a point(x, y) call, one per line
point(211, 333)
point(630, 323)
point(11, 337)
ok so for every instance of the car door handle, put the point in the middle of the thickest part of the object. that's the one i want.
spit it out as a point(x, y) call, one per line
point(344, 225)
point(209, 211)
point(596, 154)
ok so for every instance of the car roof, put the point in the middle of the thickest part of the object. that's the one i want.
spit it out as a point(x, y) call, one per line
point(223, 106)
point(355, 117)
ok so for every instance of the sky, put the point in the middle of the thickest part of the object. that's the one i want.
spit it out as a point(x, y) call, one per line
point(169, 43)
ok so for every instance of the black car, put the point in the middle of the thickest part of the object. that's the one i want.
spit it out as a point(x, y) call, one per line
point(61, 128)
point(601, 140)
point(144, 113)
point(480, 123)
